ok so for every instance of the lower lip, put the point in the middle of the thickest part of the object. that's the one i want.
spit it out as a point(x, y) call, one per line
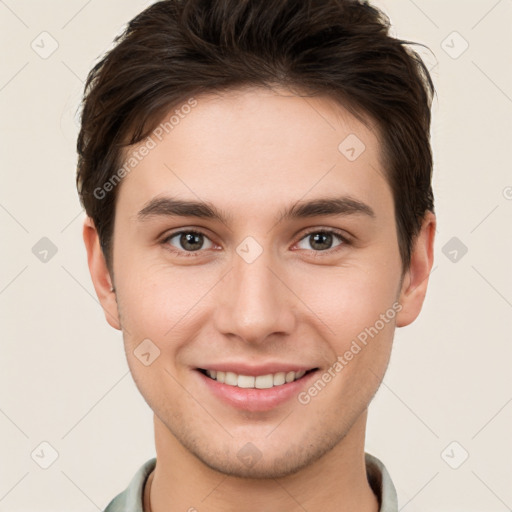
point(256, 399)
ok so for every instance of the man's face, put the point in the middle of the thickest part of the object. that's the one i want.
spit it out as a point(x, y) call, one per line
point(257, 292)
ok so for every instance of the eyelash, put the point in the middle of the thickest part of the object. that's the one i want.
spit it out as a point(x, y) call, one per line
point(192, 254)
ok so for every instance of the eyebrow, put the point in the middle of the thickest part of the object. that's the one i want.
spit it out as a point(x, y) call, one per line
point(172, 207)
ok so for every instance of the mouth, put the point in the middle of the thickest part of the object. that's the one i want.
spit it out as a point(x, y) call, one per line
point(255, 389)
point(267, 381)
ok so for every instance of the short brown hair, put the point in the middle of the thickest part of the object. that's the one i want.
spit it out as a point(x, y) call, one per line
point(337, 48)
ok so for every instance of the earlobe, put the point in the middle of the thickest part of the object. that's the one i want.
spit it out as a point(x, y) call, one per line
point(99, 273)
point(415, 281)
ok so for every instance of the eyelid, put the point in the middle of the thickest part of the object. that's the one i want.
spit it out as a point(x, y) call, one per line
point(345, 239)
point(174, 250)
point(342, 234)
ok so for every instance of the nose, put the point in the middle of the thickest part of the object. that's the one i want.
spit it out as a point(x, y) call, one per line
point(254, 302)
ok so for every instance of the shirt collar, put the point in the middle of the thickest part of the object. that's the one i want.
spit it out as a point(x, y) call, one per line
point(381, 484)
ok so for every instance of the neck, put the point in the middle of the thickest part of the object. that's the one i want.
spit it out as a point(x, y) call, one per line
point(335, 482)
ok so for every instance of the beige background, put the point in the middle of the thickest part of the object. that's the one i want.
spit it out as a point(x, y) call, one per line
point(63, 374)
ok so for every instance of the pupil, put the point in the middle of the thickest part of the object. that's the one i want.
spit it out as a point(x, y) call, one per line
point(191, 241)
point(319, 239)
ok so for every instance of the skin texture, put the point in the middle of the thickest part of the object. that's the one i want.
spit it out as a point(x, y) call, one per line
point(252, 153)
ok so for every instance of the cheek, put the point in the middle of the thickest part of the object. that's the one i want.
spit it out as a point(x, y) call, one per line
point(157, 301)
point(349, 300)
point(356, 313)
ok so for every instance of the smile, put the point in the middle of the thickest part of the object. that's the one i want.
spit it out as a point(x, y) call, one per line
point(255, 382)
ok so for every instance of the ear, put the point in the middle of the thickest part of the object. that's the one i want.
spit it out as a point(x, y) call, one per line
point(100, 275)
point(415, 280)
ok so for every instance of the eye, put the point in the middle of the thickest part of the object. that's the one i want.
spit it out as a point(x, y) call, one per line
point(188, 241)
point(322, 240)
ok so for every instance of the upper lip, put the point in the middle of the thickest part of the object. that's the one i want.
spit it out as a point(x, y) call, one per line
point(255, 370)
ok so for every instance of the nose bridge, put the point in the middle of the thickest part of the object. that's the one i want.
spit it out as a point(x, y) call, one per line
point(254, 303)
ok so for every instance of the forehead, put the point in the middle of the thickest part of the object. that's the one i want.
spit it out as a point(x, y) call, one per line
point(257, 147)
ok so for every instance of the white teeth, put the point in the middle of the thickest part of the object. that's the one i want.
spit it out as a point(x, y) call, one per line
point(279, 378)
point(264, 381)
point(250, 382)
point(231, 379)
point(245, 381)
